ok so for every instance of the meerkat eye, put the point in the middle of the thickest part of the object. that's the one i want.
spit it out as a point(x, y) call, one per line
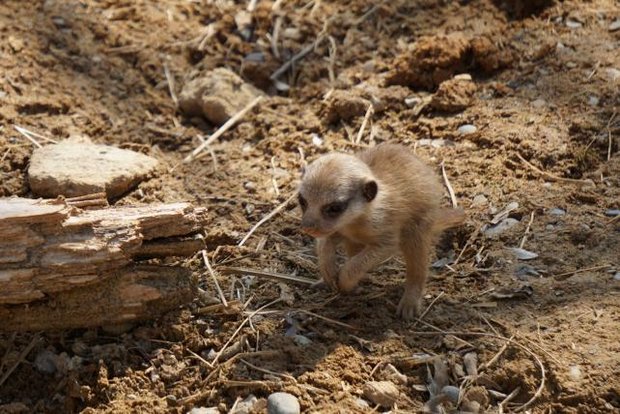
point(302, 202)
point(334, 209)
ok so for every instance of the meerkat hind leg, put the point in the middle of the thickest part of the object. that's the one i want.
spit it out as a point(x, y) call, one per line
point(357, 266)
point(416, 248)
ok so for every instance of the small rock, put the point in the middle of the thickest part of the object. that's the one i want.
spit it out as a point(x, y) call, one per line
point(413, 101)
point(470, 360)
point(302, 340)
point(45, 362)
point(217, 95)
point(383, 393)
point(345, 105)
point(523, 254)
point(317, 141)
point(615, 25)
point(292, 33)
point(539, 103)
point(283, 403)
point(250, 186)
point(501, 227)
point(171, 400)
point(575, 373)
point(361, 403)
point(593, 100)
point(617, 276)
point(72, 169)
point(204, 410)
point(243, 21)
point(16, 43)
point(557, 212)
point(613, 74)
point(451, 392)
point(612, 212)
point(245, 406)
point(466, 129)
point(479, 200)
point(524, 270)
point(573, 24)
point(390, 373)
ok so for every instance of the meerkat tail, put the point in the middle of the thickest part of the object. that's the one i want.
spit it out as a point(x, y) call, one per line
point(448, 218)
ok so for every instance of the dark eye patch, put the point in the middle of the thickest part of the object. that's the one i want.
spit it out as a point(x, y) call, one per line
point(302, 202)
point(333, 210)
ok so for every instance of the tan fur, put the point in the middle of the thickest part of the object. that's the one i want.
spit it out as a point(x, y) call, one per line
point(403, 216)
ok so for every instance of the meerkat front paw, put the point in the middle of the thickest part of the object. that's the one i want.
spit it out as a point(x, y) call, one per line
point(409, 306)
point(329, 275)
point(347, 280)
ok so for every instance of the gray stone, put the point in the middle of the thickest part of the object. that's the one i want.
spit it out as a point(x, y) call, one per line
point(617, 276)
point(217, 95)
point(573, 24)
point(539, 103)
point(612, 212)
point(523, 254)
point(615, 25)
point(479, 200)
point(466, 129)
point(451, 392)
point(557, 212)
point(282, 403)
point(613, 74)
point(245, 406)
point(302, 340)
point(204, 410)
point(76, 167)
point(501, 227)
point(383, 393)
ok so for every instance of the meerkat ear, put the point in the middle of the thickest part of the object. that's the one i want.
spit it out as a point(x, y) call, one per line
point(370, 190)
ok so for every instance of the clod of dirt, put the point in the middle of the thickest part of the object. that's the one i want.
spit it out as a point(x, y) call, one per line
point(390, 373)
point(282, 403)
point(454, 95)
point(77, 167)
point(217, 95)
point(435, 59)
point(383, 393)
point(345, 105)
point(478, 395)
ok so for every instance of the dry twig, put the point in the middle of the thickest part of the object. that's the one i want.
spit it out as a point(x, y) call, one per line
point(448, 186)
point(171, 85)
point(21, 358)
point(552, 177)
point(527, 230)
point(214, 277)
point(360, 133)
point(271, 275)
point(566, 275)
point(267, 218)
point(223, 129)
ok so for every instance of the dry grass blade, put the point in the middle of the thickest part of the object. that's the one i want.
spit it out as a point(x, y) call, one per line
point(552, 177)
point(271, 275)
point(566, 275)
point(223, 129)
point(31, 135)
point(527, 230)
point(326, 319)
point(449, 186)
point(241, 325)
point(428, 308)
point(267, 371)
point(367, 116)
point(171, 85)
point(205, 259)
point(541, 366)
point(267, 218)
point(300, 55)
point(609, 138)
point(35, 340)
point(275, 36)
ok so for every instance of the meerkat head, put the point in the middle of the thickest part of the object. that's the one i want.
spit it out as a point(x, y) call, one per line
point(335, 190)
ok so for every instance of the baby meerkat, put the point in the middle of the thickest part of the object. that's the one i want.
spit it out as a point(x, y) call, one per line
point(376, 203)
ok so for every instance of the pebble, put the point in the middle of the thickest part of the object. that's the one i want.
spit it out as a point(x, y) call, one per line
point(302, 340)
point(282, 403)
point(466, 129)
point(383, 393)
point(615, 25)
point(249, 185)
point(45, 362)
point(539, 103)
point(613, 74)
point(557, 212)
point(575, 373)
point(501, 227)
point(612, 212)
point(523, 254)
point(617, 276)
point(245, 406)
point(204, 410)
point(479, 200)
point(361, 403)
point(573, 24)
point(317, 141)
point(451, 392)
point(593, 101)
point(524, 270)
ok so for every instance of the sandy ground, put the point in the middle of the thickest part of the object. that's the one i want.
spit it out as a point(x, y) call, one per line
point(547, 92)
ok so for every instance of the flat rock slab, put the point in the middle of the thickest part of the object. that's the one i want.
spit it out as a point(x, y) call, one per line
point(217, 95)
point(73, 168)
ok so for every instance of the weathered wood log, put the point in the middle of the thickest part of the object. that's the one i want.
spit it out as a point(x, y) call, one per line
point(62, 267)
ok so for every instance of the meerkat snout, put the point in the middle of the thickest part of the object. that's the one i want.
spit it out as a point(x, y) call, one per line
point(378, 203)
